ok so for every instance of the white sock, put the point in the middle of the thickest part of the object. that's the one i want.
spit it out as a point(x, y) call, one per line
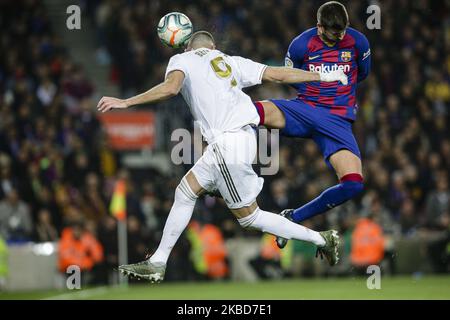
point(177, 221)
point(280, 226)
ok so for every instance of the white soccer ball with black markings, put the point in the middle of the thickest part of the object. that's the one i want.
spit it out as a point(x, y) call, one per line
point(175, 29)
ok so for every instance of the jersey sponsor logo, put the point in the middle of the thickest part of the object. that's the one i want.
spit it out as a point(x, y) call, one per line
point(328, 68)
point(313, 57)
point(346, 56)
point(288, 62)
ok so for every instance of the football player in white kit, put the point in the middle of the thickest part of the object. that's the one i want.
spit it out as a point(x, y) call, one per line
point(211, 83)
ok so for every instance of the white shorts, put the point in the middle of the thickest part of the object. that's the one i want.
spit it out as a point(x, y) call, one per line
point(226, 166)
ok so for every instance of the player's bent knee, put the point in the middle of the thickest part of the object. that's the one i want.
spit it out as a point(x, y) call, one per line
point(270, 115)
point(248, 221)
point(184, 193)
point(352, 184)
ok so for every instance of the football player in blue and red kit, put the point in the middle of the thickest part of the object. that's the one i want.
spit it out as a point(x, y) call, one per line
point(322, 111)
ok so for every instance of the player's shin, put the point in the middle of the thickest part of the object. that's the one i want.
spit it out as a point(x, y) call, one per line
point(349, 187)
point(177, 221)
point(277, 225)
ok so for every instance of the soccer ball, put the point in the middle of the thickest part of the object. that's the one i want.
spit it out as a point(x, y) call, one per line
point(174, 29)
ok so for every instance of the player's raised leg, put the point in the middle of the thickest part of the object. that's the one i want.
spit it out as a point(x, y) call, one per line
point(180, 214)
point(239, 185)
point(253, 217)
point(298, 119)
point(349, 171)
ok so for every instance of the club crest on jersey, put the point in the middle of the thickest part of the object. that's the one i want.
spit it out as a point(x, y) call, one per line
point(346, 56)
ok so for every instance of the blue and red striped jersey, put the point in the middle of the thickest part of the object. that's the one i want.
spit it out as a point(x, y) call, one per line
point(352, 54)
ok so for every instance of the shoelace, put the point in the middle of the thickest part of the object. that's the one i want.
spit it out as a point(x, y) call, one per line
point(148, 254)
point(319, 252)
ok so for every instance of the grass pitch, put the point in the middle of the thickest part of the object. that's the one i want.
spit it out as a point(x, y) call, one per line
point(428, 287)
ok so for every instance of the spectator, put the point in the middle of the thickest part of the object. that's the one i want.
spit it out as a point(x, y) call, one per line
point(408, 219)
point(7, 183)
point(15, 219)
point(46, 92)
point(79, 247)
point(107, 235)
point(148, 205)
point(380, 214)
point(45, 230)
point(94, 207)
point(438, 205)
point(76, 87)
point(210, 255)
point(137, 241)
point(367, 244)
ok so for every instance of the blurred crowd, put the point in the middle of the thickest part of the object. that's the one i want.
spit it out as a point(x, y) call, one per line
point(57, 170)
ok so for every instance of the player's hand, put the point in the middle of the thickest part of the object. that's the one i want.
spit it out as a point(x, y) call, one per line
point(108, 103)
point(336, 75)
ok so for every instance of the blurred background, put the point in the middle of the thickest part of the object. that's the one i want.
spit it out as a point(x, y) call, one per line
point(59, 160)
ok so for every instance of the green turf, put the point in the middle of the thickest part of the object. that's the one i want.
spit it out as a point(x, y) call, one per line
point(431, 287)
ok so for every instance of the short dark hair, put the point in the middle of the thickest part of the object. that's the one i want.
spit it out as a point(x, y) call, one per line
point(333, 15)
point(201, 37)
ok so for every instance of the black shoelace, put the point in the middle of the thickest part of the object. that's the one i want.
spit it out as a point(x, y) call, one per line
point(319, 252)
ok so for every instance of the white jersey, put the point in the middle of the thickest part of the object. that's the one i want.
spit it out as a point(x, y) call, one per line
point(212, 88)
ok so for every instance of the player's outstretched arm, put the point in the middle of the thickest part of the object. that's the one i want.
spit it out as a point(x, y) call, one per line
point(167, 89)
point(293, 75)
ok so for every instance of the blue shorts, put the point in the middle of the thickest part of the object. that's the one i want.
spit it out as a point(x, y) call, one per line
point(331, 132)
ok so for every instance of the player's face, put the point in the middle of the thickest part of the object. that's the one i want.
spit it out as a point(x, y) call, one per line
point(330, 35)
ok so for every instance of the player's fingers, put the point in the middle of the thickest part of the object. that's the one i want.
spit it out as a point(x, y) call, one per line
point(106, 108)
point(102, 105)
point(104, 101)
point(345, 80)
point(343, 77)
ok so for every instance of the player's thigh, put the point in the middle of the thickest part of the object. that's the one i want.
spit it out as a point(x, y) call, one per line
point(235, 178)
point(201, 176)
point(273, 117)
point(238, 184)
point(344, 162)
point(297, 117)
point(339, 147)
